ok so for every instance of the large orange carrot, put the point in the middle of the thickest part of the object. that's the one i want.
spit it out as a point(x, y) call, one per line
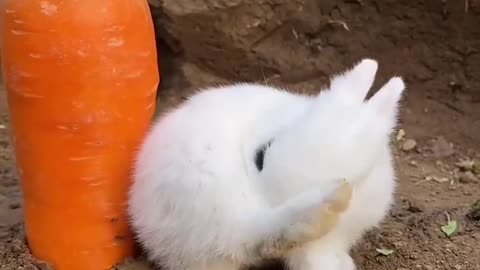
point(81, 79)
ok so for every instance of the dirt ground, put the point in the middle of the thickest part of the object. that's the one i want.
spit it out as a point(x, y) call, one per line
point(434, 45)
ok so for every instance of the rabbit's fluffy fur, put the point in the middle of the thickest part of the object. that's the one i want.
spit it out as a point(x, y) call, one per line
point(198, 200)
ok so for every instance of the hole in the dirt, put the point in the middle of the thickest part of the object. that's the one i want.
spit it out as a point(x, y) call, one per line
point(169, 63)
point(169, 55)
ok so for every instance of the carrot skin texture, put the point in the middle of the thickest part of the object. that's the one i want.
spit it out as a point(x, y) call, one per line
point(81, 80)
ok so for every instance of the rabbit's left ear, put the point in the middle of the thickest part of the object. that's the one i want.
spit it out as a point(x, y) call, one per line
point(354, 84)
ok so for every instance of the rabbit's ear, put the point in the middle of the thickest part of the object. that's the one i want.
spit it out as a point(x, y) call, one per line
point(355, 83)
point(385, 102)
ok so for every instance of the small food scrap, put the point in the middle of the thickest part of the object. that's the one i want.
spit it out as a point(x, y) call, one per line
point(385, 252)
point(400, 135)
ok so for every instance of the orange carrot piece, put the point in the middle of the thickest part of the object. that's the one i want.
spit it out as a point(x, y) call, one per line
point(81, 79)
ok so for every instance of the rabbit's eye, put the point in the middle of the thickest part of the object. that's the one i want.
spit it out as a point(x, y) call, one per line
point(260, 155)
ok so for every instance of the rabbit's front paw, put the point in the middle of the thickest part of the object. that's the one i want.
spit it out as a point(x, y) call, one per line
point(328, 214)
point(340, 261)
point(304, 219)
point(314, 259)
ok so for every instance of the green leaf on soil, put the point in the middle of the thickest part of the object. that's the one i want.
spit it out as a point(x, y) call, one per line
point(385, 252)
point(451, 227)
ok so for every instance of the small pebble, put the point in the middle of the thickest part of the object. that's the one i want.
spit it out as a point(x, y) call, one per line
point(409, 145)
point(467, 177)
point(466, 165)
point(442, 148)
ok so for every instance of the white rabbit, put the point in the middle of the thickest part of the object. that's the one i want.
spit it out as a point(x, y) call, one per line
point(246, 172)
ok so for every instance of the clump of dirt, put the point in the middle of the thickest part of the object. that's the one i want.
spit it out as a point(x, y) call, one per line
point(296, 44)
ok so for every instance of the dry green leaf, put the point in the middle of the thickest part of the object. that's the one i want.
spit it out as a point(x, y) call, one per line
point(385, 252)
point(400, 135)
point(440, 179)
point(435, 179)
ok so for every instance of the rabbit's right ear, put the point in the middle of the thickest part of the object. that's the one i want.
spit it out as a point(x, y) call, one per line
point(386, 101)
point(354, 84)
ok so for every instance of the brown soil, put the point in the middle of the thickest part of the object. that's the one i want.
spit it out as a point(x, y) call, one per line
point(433, 44)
